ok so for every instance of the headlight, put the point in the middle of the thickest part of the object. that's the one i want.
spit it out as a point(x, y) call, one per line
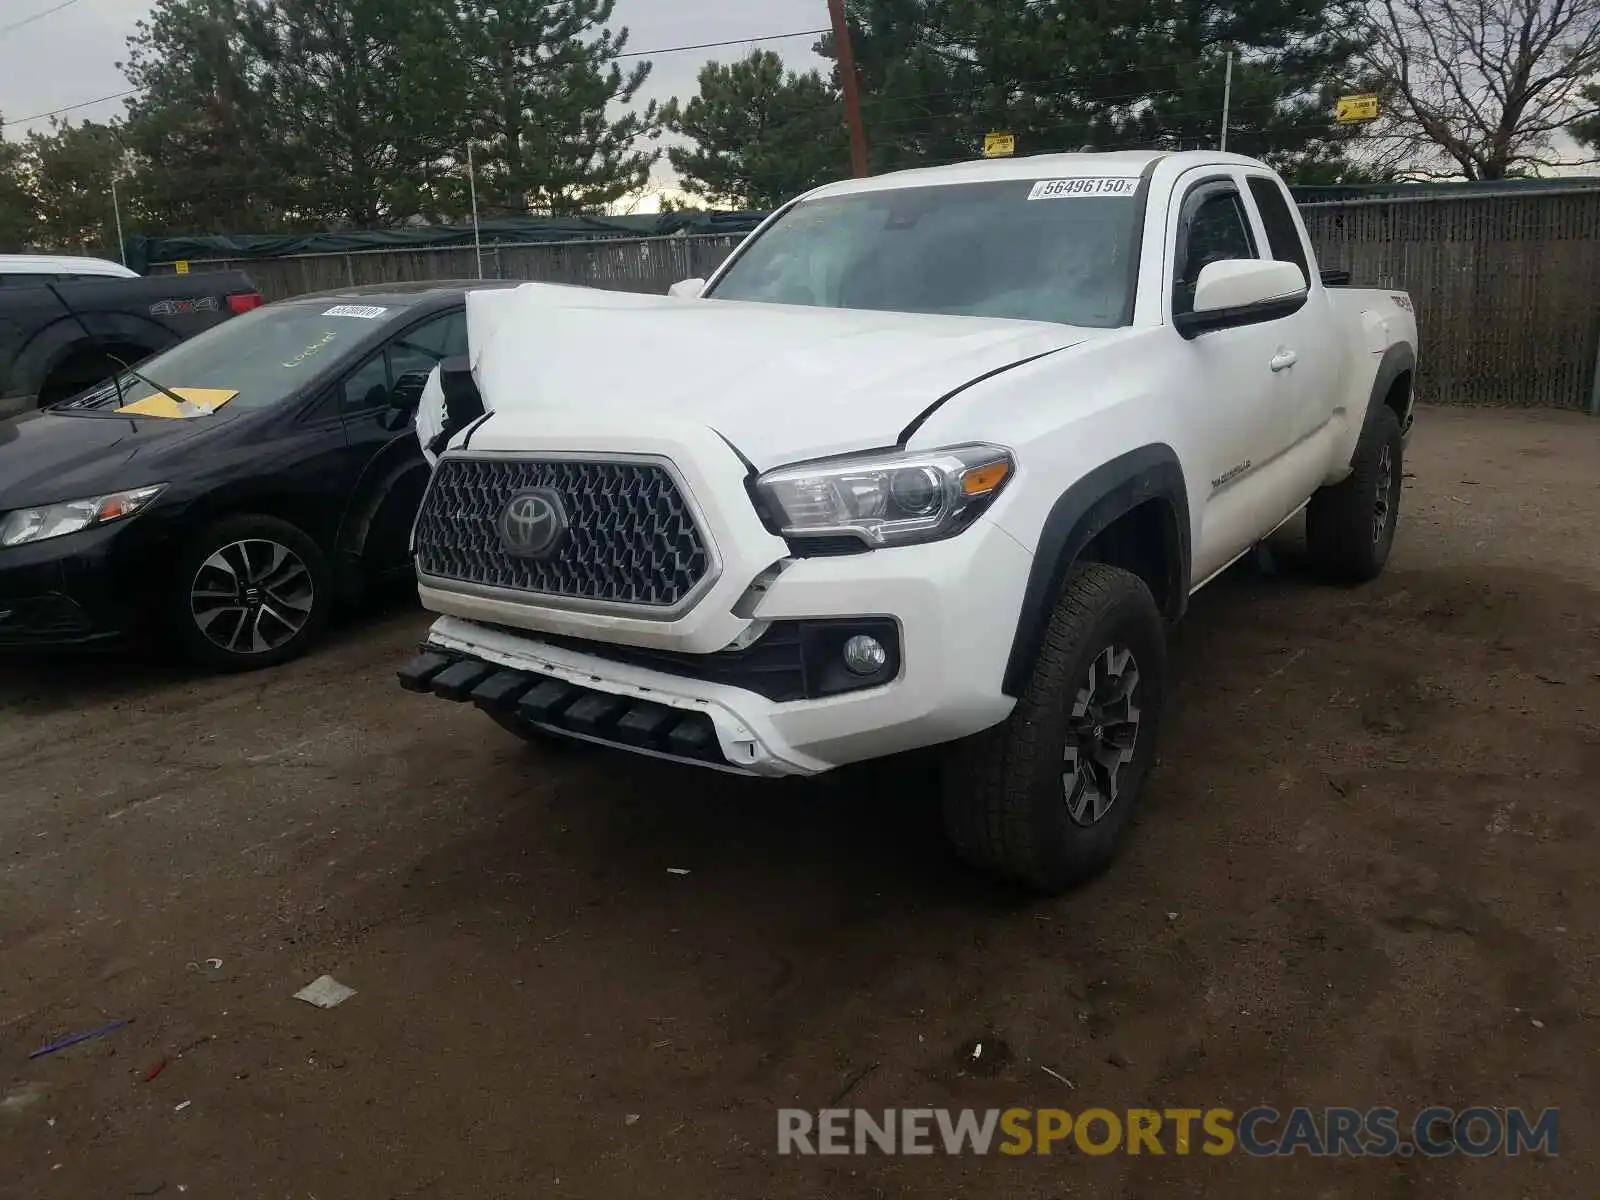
point(890, 499)
point(70, 516)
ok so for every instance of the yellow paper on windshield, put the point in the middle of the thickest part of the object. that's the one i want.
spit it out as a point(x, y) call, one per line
point(159, 405)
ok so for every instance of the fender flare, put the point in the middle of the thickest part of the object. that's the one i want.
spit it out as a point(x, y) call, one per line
point(63, 338)
point(1396, 361)
point(1079, 514)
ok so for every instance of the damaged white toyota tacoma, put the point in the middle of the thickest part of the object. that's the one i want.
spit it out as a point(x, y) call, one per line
point(933, 459)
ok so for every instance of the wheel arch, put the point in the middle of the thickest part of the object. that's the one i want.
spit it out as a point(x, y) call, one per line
point(398, 466)
point(1110, 515)
point(301, 512)
point(1392, 384)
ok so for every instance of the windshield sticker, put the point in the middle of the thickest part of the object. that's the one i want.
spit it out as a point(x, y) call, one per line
point(315, 347)
point(177, 308)
point(1072, 189)
point(366, 312)
point(201, 402)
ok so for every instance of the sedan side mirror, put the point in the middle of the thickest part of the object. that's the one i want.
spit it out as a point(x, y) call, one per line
point(404, 398)
point(687, 289)
point(1242, 291)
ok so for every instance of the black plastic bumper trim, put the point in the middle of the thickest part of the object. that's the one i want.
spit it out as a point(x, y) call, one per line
point(417, 675)
point(457, 680)
point(501, 690)
point(567, 708)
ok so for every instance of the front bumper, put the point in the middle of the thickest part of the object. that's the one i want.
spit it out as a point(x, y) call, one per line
point(954, 604)
point(85, 589)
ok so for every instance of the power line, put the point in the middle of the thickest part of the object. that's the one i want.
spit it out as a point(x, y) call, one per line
point(56, 112)
point(770, 37)
point(38, 16)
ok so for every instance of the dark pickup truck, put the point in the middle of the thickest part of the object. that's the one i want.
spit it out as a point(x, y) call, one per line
point(59, 337)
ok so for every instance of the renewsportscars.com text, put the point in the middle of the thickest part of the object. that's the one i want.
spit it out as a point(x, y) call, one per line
point(1259, 1132)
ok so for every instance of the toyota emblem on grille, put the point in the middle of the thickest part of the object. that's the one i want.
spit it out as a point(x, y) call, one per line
point(533, 523)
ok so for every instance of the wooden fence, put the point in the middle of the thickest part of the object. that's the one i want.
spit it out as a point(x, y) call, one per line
point(1506, 287)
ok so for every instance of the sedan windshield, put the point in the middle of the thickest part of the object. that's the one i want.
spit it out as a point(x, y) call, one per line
point(1035, 250)
point(249, 361)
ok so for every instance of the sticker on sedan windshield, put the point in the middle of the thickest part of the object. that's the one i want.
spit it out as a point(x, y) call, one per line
point(365, 311)
point(201, 401)
point(1065, 189)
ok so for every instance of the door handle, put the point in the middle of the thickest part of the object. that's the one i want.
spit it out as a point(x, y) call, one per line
point(1282, 360)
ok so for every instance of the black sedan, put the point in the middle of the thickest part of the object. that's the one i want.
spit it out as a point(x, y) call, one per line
point(227, 493)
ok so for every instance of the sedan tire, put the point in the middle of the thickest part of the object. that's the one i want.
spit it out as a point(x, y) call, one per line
point(249, 591)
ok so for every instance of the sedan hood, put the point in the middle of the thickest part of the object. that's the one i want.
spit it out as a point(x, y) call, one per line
point(46, 457)
point(782, 383)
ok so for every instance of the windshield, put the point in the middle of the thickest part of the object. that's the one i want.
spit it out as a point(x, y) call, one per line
point(250, 361)
point(1037, 250)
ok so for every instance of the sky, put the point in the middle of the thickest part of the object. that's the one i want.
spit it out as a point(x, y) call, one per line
point(69, 56)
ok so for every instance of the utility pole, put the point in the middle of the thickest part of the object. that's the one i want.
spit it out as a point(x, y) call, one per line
point(472, 188)
point(116, 212)
point(852, 95)
point(1227, 100)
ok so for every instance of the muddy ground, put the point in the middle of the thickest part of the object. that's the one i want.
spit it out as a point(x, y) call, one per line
point(1363, 874)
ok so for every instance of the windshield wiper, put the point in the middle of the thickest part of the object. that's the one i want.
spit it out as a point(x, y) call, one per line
point(183, 405)
point(116, 381)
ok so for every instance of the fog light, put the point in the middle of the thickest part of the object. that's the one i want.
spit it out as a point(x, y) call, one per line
point(864, 655)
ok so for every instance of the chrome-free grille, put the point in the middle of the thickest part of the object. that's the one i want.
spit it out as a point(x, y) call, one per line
point(631, 536)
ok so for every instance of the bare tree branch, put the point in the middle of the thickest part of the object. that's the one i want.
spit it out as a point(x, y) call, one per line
point(1485, 84)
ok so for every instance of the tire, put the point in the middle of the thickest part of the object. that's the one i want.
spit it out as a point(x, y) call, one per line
point(1024, 801)
point(279, 579)
point(1350, 527)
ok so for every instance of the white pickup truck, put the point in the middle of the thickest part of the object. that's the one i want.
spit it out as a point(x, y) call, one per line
point(933, 459)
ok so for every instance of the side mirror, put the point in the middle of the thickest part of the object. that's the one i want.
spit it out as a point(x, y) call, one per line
point(1242, 291)
point(404, 398)
point(687, 289)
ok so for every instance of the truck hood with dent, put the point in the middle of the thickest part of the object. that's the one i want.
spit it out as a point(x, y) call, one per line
point(782, 383)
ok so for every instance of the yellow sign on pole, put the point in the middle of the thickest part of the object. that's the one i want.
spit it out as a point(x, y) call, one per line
point(1352, 109)
point(999, 145)
point(181, 266)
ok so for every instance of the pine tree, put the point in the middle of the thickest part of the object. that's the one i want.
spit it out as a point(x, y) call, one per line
point(545, 81)
point(201, 121)
point(366, 99)
point(759, 135)
point(72, 168)
point(17, 206)
point(1585, 129)
point(1062, 75)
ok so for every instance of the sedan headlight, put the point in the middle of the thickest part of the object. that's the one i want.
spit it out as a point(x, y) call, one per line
point(55, 520)
point(891, 499)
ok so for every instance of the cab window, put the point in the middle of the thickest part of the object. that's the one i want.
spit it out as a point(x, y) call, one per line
point(1214, 229)
point(1283, 237)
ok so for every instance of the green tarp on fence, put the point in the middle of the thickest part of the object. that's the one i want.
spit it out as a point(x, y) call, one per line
point(143, 251)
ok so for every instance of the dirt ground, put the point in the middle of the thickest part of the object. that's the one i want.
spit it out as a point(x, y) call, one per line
point(1358, 878)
